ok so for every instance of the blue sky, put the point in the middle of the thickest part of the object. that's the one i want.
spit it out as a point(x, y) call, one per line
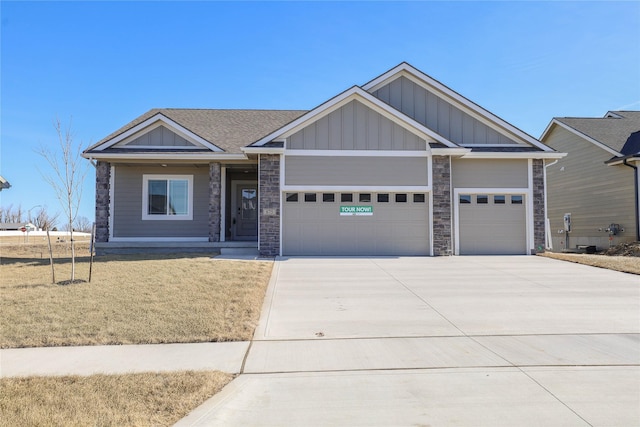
point(105, 63)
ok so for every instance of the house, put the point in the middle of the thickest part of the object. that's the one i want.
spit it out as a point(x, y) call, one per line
point(402, 165)
point(596, 185)
point(4, 184)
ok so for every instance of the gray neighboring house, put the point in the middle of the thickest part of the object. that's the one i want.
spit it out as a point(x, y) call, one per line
point(401, 165)
point(597, 183)
point(4, 184)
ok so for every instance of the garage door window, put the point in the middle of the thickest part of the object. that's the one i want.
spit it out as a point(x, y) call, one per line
point(365, 198)
point(516, 200)
point(309, 197)
point(418, 198)
point(292, 197)
point(346, 197)
point(498, 200)
point(328, 197)
point(383, 198)
point(401, 198)
point(465, 199)
point(482, 199)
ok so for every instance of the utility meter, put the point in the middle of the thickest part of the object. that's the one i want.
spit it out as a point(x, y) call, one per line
point(567, 222)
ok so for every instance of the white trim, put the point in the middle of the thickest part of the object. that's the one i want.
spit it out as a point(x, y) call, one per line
point(442, 91)
point(223, 203)
point(495, 145)
point(527, 192)
point(175, 127)
point(356, 188)
point(159, 239)
point(461, 151)
point(634, 159)
point(167, 157)
point(530, 229)
point(263, 150)
point(358, 153)
point(112, 182)
point(162, 177)
point(512, 155)
point(430, 219)
point(580, 134)
point(356, 93)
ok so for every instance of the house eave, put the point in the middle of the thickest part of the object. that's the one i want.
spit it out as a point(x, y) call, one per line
point(520, 155)
point(168, 156)
point(263, 150)
point(556, 122)
point(620, 160)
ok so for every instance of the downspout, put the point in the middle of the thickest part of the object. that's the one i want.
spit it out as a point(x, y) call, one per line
point(547, 223)
point(635, 182)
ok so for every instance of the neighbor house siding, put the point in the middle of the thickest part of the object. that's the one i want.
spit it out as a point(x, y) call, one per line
point(595, 194)
point(437, 114)
point(356, 171)
point(127, 215)
point(489, 173)
point(355, 127)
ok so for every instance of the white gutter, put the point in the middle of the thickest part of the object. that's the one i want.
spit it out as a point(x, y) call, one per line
point(520, 155)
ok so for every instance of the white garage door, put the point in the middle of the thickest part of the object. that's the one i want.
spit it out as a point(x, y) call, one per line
point(355, 224)
point(492, 224)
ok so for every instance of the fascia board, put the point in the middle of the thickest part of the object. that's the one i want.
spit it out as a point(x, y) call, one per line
point(263, 150)
point(168, 157)
point(469, 107)
point(341, 100)
point(507, 155)
point(620, 160)
point(450, 151)
point(150, 121)
point(556, 122)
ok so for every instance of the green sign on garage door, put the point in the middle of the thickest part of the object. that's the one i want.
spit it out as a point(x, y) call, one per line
point(356, 210)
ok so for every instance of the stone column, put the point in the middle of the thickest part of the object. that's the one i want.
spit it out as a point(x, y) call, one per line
point(215, 191)
point(539, 224)
point(269, 196)
point(441, 188)
point(103, 181)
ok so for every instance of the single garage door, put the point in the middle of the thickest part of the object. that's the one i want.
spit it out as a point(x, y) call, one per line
point(355, 224)
point(492, 224)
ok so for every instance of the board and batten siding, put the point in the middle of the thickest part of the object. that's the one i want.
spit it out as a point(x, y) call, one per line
point(489, 173)
point(356, 171)
point(437, 114)
point(158, 137)
point(355, 126)
point(127, 215)
point(595, 194)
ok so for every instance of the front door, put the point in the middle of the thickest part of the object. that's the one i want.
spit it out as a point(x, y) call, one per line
point(244, 210)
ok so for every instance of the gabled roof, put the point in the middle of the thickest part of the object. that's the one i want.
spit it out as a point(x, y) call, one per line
point(4, 184)
point(610, 132)
point(229, 130)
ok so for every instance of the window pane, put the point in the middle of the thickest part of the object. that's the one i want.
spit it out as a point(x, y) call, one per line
point(498, 200)
point(309, 197)
point(465, 198)
point(516, 200)
point(292, 197)
point(383, 198)
point(157, 197)
point(418, 198)
point(346, 197)
point(328, 197)
point(365, 197)
point(178, 197)
point(482, 199)
point(249, 204)
point(401, 198)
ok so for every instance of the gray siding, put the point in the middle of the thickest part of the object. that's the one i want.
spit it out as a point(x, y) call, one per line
point(160, 137)
point(382, 171)
point(437, 114)
point(355, 127)
point(595, 194)
point(489, 173)
point(127, 215)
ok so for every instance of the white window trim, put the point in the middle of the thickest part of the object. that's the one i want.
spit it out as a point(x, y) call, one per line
point(145, 198)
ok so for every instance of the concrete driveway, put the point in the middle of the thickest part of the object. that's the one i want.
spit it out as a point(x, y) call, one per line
point(477, 341)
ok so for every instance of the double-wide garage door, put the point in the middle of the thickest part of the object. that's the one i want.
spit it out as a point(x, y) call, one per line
point(492, 224)
point(355, 224)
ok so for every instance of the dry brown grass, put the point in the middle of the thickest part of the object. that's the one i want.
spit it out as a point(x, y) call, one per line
point(106, 400)
point(626, 264)
point(132, 299)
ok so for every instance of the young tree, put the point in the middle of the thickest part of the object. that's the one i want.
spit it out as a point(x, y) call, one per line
point(69, 171)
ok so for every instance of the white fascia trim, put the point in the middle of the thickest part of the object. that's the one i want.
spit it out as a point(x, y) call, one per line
point(450, 151)
point(181, 130)
point(492, 190)
point(494, 145)
point(357, 153)
point(507, 155)
point(356, 93)
point(635, 159)
point(474, 110)
point(580, 134)
point(170, 156)
point(263, 150)
point(159, 239)
point(357, 188)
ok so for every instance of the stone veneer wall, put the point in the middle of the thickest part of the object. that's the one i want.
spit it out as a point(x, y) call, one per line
point(215, 192)
point(103, 179)
point(441, 188)
point(269, 196)
point(538, 206)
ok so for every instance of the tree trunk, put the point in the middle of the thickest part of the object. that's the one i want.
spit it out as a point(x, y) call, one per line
point(53, 271)
point(73, 254)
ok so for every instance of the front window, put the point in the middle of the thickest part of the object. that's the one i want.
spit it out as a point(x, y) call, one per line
point(167, 197)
